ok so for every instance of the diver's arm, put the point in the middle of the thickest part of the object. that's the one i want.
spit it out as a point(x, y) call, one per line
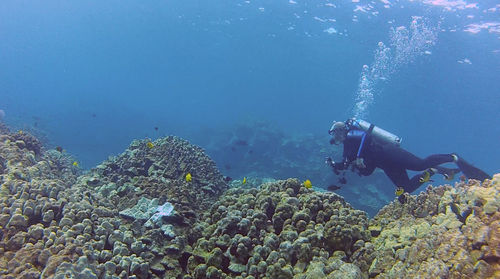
point(336, 166)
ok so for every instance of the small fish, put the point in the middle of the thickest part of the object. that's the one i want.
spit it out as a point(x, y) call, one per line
point(463, 178)
point(93, 115)
point(227, 178)
point(250, 151)
point(244, 181)
point(333, 187)
point(399, 191)
point(188, 177)
point(241, 142)
point(58, 148)
point(150, 145)
point(425, 177)
point(20, 132)
point(156, 128)
point(342, 180)
point(75, 164)
point(308, 184)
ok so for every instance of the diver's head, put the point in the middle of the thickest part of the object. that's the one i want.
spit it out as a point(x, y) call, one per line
point(338, 132)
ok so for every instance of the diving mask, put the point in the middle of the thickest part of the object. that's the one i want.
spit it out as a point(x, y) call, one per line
point(338, 131)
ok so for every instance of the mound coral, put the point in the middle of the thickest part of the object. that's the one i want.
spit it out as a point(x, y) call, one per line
point(159, 171)
point(33, 192)
point(53, 224)
point(280, 230)
point(445, 232)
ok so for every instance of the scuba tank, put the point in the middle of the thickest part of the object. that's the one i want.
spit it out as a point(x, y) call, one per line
point(379, 134)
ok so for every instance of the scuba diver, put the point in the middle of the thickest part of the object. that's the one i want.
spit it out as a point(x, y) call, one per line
point(367, 147)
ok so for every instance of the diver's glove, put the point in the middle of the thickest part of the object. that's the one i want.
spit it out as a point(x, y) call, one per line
point(359, 163)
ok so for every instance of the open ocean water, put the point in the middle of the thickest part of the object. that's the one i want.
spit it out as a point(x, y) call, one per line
point(91, 76)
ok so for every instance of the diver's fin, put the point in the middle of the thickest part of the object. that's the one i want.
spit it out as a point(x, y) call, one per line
point(470, 171)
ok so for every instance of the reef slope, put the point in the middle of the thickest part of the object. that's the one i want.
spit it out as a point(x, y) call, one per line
point(137, 216)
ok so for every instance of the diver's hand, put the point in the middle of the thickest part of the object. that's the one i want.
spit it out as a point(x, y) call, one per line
point(359, 163)
point(333, 165)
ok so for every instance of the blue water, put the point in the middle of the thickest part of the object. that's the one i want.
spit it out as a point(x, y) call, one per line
point(91, 76)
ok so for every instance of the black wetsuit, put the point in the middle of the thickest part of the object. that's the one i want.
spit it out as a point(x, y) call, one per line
point(393, 160)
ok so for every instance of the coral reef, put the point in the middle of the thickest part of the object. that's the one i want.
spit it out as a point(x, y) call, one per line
point(159, 208)
point(158, 171)
point(137, 216)
point(251, 182)
point(445, 232)
point(54, 223)
point(280, 230)
point(33, 196)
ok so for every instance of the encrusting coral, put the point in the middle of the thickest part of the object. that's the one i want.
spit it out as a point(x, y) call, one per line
point(137, 216)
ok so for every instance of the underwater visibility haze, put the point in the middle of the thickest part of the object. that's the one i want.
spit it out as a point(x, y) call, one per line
point(241, 96)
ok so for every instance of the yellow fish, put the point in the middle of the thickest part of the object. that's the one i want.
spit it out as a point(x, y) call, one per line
point(20, 131)
point(399, 191)
point(244, 181)
point(426, 176)
point(75, 164)
point(308, 184)
point(150, 145)
point(188, 177)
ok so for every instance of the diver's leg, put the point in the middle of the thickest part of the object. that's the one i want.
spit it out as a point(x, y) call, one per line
point(399, 156)
point(437, 159)
point(398, 176)
point(419, 179)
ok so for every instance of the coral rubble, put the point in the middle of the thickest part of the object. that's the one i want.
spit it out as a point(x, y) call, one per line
point(136, 216)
